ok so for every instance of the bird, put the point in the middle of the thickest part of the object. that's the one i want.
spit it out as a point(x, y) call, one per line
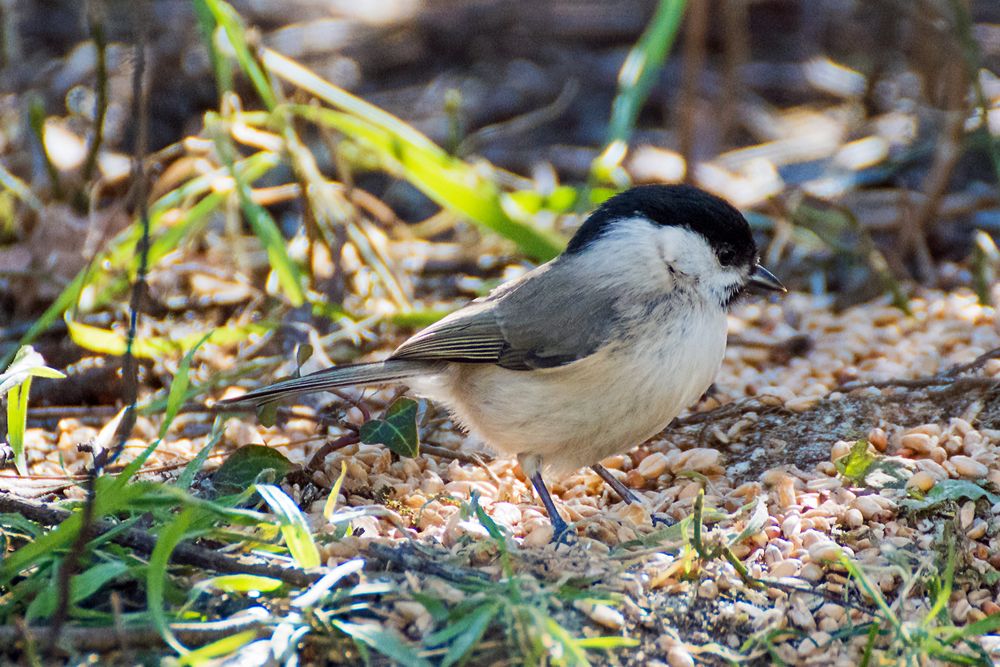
point(589, 354)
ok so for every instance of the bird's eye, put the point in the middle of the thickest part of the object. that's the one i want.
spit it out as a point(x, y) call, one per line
point(727, 255)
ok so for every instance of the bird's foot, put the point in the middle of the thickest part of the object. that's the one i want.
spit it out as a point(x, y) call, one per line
point(562, 532)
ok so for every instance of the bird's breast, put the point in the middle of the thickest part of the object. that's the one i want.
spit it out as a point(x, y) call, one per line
point(605, 403)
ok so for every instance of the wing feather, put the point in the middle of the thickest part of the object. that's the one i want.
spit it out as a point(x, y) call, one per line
point(542, 320)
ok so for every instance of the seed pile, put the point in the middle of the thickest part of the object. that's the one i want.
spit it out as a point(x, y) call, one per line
point(814, 513)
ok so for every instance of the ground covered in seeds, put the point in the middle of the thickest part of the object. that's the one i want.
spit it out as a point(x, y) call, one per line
point(875, 440)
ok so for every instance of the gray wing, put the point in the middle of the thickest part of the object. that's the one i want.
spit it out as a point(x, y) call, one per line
point(543, 320)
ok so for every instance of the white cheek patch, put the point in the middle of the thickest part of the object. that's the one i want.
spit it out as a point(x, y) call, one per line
point(686, 251)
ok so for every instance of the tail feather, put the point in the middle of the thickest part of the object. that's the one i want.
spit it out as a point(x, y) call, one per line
point(379, 372)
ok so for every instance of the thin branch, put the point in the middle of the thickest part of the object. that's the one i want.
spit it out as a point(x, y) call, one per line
point(695, 35)
point(144, 542)
point(95, 20)
point(130, 369)
point(109, 638)
point(317, 459)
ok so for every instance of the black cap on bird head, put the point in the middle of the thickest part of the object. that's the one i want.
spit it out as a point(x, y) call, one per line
point(722, 226)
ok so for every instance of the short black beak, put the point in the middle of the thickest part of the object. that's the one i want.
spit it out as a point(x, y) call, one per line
point(761, 277)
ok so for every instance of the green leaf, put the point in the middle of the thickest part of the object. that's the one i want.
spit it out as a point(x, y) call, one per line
point(186, 477)
point(397, 430)
point(951, 489)
point(386, 642)
point(16, 383)
point(240, 583)
point(754, 525)
point(218, 648)
point(606, 643)
point(26, 364)
point(479, 621)
point(331, 500)
point(245, 465)
point(485, 519)
point(156, 574)
point(81, 587)
point(857, 463)
point(293, 526)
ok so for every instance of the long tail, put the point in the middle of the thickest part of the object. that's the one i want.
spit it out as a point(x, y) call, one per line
point(378, 372)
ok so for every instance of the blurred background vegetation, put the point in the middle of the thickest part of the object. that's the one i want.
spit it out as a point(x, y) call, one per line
point(440, 141)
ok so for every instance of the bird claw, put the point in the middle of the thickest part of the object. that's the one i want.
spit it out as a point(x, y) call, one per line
point(562, 533)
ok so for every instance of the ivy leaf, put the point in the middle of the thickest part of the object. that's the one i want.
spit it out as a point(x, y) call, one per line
point(951, 489)
point(241, 469)
point(857, 464)
point(397, 429)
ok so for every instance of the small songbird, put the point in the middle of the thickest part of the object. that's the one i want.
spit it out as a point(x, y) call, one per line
point(590, 354)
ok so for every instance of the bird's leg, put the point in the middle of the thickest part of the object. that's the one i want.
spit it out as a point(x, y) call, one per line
point(532, 468)
point(628, 496)
point(560, 529)
point(623, 491)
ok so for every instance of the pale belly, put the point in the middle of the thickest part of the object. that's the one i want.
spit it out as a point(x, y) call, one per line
point(575, 415)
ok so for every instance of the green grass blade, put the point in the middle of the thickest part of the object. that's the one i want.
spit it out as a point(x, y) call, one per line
point(402, 150)
point(186, 478)
point(63, 535)
point(465, 642)
point(17, 420)
point(240, 583)
point(20, 189)
point(217, 649)
point(260, 220)
point(449, 182)
point(573, 654)
point(944, 592)
point(606, 643)
point(386, 642)
point(294, 73)
point(293, 526)
point(82, 586)
point(15, 381)
point(122, 250)
point(179, 386)
point(642, 66)
point(227, 19)
point(874, 593)
point(983, 626)
point(156, 575)
point(330, 506)
point(206, 26)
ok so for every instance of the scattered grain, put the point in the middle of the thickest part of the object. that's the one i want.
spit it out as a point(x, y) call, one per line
point(968, 467)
